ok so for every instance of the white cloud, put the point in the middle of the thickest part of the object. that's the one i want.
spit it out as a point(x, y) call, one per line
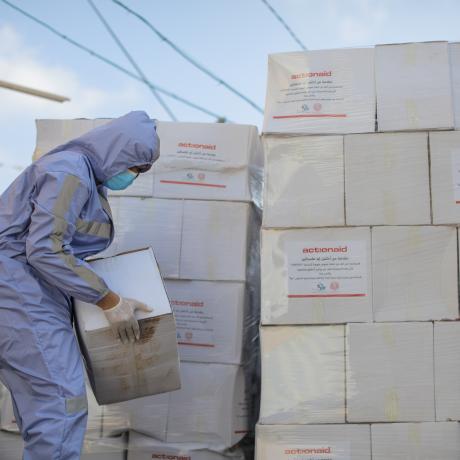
point(20, 63)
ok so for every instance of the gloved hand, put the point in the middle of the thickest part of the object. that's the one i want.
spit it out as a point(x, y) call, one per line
point(122, 320)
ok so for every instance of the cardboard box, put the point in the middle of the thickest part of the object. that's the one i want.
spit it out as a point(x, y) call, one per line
point(211, 320)
point(210, 408)
point(148, 222)
point(119, 372)
point(414, 87)
point(390, 372)
point(304, 181)
point(12, 445)
point(387, 179)
point(208, 161)
point(52, 133)
point(7, 417)
point(192, 238)
point(415, 273)
point(215, 240)
point(421, 441)
point(303, 276)
point(323, 91)
point(447, 370)
point(313, 442)
point(445, 176)
point(303, 375)
point(105, 449)
point(146, 448)
point(454, 54)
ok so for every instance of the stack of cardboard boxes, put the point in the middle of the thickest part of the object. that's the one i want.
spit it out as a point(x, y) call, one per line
point(195, 209)
point(359, 255)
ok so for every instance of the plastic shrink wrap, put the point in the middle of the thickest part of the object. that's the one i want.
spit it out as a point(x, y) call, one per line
point(360, 327)
point(199, 210)
point(203, 161)
point(145, 448)
point(316, 275)
point(321, 91)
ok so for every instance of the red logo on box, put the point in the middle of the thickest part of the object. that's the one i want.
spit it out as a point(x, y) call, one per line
point(317, 106)
point(334, 285)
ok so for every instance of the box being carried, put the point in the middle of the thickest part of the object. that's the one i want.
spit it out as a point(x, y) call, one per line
point(150, 366)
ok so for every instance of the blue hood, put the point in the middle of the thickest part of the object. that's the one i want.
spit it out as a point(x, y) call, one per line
point(125, 142)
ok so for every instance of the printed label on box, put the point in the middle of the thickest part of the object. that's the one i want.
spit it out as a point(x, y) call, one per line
point(170, 454)
point(186, 150)
point(320, 94)
point(456, 175)
point(327, 269)
point(194, 178)
point(194, 323)
point(324, 451)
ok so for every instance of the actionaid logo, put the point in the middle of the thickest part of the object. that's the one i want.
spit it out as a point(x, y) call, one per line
point(324, 73)
point(308, 451)
point(172, 457)
point(190, 145)
point(187, 303)
point(330, 249)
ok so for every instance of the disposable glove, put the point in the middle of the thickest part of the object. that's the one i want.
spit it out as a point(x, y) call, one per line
point(122, 320)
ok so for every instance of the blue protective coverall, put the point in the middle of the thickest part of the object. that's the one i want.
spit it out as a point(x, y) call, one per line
point(51, 217)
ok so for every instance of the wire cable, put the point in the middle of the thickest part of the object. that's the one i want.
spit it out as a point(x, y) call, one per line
point(131, 60)
point(188, 58)
point(112, 63)
point(284, 23)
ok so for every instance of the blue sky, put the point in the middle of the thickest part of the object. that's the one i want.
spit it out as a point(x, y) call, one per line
point(231, 37)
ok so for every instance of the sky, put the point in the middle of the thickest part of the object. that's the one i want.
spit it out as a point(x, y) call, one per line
point(232, 38)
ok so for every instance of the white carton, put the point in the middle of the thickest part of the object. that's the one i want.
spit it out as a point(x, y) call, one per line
point(303, 375)
point(304, 181)
point(12, 445)
point(119, 372)
point(210, 408)
point(192, 238)
point(323, 91)
point(390, 372)
point(104, 449)
point(52, 133)
point(454, 52)
point(215, 239)
point(445, 176)
point(387, 179)
point(7, 417)
point(145, 448)
point(415, 273)
point(313, 442)
point(447, 370)
point(304, 280)
point(148, 222)
point(421, 441)
point(208, 161)
point(414, 89)
point(210, 320)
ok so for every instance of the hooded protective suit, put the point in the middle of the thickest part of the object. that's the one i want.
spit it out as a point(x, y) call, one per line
point(51, 217)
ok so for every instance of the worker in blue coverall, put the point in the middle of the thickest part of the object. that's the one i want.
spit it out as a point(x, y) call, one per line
point(52, 217)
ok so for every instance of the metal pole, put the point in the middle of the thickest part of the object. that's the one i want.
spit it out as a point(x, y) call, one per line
point(33, 92)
